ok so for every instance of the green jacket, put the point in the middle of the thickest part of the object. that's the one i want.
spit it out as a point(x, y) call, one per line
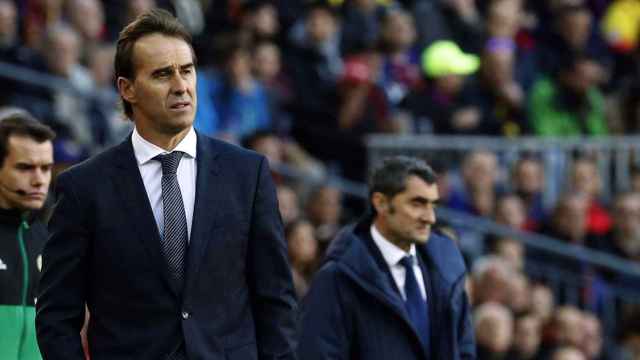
point(20, 263)
point(549, 118)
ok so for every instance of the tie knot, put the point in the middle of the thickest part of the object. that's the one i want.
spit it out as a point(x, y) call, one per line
point(169, 162)
point(407, 261)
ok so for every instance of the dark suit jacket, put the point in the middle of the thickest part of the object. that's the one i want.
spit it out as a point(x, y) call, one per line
point(104, 249)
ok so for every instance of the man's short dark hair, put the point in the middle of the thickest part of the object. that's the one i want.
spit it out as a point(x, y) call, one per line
point(390, 178)
point(155, 21)
point(21, 123)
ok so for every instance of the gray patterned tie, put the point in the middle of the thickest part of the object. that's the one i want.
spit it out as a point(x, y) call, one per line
point(174, 242)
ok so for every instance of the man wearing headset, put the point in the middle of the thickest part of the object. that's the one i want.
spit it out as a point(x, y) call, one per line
point(26, 159)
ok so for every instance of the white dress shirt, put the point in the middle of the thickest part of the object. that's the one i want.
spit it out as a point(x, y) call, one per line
point(392, 256)
point(151, 172)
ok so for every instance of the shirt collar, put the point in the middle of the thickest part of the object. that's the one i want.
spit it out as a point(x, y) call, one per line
point(146, 151)
point(391, 253)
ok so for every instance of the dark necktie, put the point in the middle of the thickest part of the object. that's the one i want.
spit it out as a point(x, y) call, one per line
point(174, 240)
point(415, 304)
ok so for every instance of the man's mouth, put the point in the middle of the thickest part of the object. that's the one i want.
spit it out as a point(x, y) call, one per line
point(180, 105)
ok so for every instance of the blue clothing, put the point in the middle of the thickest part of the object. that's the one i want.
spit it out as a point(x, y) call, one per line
point(354, 309)
point(225, 109)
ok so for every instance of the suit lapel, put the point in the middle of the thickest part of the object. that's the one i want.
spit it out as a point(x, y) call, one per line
point(136, 203)
point(206, 208)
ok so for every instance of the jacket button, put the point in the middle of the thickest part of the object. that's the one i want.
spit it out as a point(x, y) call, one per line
point(186, 315)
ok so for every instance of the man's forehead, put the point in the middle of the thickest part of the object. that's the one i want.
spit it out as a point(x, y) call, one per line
point(157, 51)
point(27, 147)
point(415, 186)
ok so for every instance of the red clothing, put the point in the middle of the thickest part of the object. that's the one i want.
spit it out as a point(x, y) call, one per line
point(598, 219)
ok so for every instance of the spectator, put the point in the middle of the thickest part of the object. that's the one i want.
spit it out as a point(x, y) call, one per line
point(566, 328)
point(259, 21)
point(542, 302)
point(266, 65)
point(500, 97)
point(288, 204)
point(510, 211)
point(526, 338)
point(491, 278)
point(87, 18)
point(456, 20)
point(443, 105)
point(67, 112)
point(573, 30)
point(241, 103)
point(527, 179)
point(361, 27)
point(494, 330)
point(303, 253)
point(568, 103)
point(510, 250)
point(324, 210)
point(568, 353)
point(400, 58)
point(585, 178)
point(315, 63)
point(478, 190)
point(519, 300)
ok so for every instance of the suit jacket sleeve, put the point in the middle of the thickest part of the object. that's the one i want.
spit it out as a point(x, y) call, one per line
point(466, 339)
point(61, 299)
point(269, 275)
point(324, 333)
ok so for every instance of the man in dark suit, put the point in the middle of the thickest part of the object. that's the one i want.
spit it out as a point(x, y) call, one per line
point(390, 288)
point(171, 239)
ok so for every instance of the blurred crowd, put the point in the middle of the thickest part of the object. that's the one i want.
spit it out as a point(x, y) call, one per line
point(304, 81)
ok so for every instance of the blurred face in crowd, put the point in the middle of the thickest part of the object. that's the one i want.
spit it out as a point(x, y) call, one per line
point(398, 30)
point(494, 327)
point(503, 18)
point(407, 217)
point(497, 67)
point(510, 211)
point(163, 90)
point(287, 204)
point(25, 169)
point(266, 61)
point(239, 65)
point(449, 85)
point(569, 326)
point(325, 207)
point(520, 296)
point(527, 336)
point(491, 284)
point(585, 178)
point(568, 353)
point(271, 147)
point(512, 252)
point(303, 247)
point(570, 217)
point(264, 21)
point(626, 222)
point(528, 177)
point(137, 7)
point(320, 26)
point(101, 66)
point(8, 23)
point(575, 27)
point(87, 16)
point(542, 302)
point(584, 75)
point(480, 171)
point(592, 340)
point(63, 51)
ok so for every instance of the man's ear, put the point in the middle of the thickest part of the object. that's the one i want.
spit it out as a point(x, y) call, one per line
point(380, 202)
point(126, 89)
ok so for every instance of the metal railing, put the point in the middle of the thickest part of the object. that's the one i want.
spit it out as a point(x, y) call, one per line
point(614, 155)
